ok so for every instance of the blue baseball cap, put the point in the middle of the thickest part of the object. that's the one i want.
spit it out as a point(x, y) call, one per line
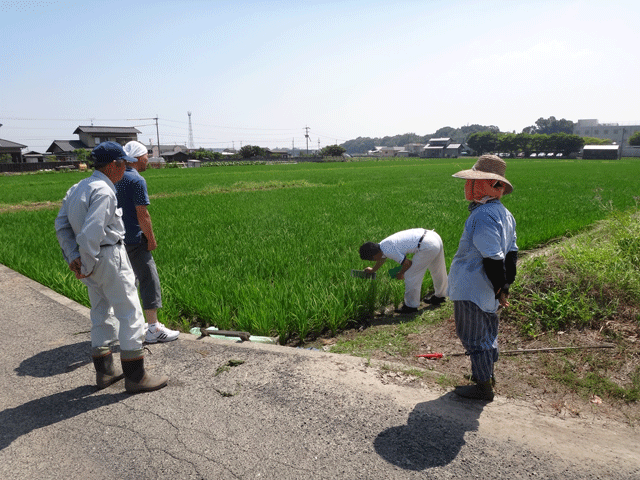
point(107, 152)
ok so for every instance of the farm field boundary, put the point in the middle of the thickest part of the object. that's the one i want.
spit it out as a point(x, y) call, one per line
point(269, 248)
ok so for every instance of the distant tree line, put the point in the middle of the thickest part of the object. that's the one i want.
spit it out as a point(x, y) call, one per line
point(513, 143)
point(549, 126)
point(332, 151)
point(542, 126)
point(457, 135)
point(202, 154)
point(254, 151)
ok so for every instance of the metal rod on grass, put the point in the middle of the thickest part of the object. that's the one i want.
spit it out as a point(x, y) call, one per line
point(537, 350)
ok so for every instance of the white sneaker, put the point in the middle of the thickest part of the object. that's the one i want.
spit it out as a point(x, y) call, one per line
point(157, 332)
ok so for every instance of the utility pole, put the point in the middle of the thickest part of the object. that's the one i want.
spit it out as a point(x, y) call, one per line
point(157, 134)
point(157, 130)
point(622, 143)
point(307, 137)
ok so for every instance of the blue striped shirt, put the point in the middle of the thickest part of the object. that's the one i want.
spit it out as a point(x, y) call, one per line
point(489, 232)
point(132, 192)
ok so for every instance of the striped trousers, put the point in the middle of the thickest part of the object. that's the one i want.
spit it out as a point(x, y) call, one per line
point(478, 332)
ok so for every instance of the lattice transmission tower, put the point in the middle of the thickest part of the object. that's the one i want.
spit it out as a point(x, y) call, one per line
point(191, 145)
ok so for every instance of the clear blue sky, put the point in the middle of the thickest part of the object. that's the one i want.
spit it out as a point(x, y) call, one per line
point(259, 72)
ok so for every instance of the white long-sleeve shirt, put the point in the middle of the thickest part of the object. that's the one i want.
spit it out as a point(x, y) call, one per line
point(89, 218)
point(398, 245)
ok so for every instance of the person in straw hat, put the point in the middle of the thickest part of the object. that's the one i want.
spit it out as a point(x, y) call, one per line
point(482, 270)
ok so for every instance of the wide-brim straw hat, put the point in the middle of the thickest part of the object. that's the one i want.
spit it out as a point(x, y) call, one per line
point(489, 167)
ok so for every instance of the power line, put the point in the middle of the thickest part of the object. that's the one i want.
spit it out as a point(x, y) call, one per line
point(232, 127)
point(90, 119)
point(172, 130)
point(157, 118)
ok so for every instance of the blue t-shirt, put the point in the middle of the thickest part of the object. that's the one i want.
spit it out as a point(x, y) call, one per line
point(131, 192)
point(489, 232)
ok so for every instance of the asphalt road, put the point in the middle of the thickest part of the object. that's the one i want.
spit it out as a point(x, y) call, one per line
point(280, 413)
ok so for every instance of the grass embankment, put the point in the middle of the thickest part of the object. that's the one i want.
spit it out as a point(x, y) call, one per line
point(574, 292)
point(588, 283)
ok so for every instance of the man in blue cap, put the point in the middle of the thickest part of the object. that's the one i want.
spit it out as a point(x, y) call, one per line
point(90, 231)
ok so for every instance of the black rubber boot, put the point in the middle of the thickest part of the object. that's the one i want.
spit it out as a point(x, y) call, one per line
point(479, 391)
point(406, 310)
point(433, 300)
point(471, 378)
point(106, 374)
point(137, 380)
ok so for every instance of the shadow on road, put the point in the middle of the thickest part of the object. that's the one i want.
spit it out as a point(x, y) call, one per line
point(60, 360)
point(433, 435)
point(55, 408)
point(58, 407)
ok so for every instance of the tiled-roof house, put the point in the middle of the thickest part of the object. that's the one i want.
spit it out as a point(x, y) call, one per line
point(436, 148)
point(13, 149)
point(89, 137)
point(92, 136)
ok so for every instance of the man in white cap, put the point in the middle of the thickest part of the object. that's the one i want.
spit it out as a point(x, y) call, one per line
point(90, 232)
point(482, 271)
point(140, 240)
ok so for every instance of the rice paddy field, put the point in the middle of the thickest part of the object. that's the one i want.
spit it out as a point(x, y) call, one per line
point(269, 248)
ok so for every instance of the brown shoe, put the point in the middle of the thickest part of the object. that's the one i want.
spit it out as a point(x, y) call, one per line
point(146, 384)
point(137, 380)
point(106, 373)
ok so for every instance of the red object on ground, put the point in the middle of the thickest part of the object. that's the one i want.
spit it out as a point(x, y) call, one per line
point(430, 355)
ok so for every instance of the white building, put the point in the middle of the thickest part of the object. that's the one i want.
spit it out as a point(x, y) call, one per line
point(617, 133)
point(383, 152)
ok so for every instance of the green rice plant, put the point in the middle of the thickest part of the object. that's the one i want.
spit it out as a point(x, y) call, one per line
point(269, 248)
